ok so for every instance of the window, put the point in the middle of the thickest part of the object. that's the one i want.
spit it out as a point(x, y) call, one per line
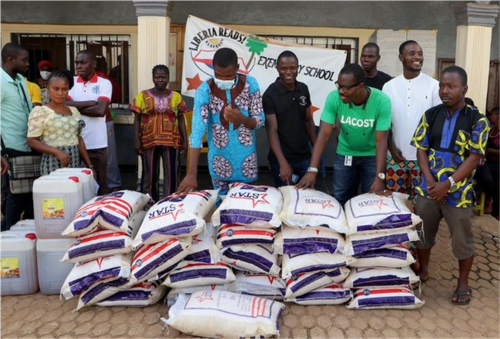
point(112, 52)
point(351, 45)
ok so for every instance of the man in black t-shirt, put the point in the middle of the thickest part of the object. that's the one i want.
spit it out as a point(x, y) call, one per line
point(289, 123)
point(369, 58)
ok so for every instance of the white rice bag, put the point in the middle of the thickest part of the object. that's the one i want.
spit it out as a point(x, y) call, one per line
point(308, 240)
point(174, 293)
point(101, 290)
point(158, 259)
point(401, 297)
point(175, 216)
point(259, 285)
point(294, 264)
point(139, 295)
point(380, 276)
point(397, 256)
point(135, 223)
point(358, 243)
point(224, 314)
point(308, 208)
point(371, 212)
point(203, 248)
point(303, 283)
point(111, 211)
point(84, 274)
point(100, 243)
point(329, 295)
point(229, 235)
point(251, 205)
point(189, 274)
point(251, 258)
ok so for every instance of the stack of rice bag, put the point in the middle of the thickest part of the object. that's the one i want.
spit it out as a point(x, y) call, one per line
point(201, 269)
point(380, 274)
point(104, 228)
point(314, 265)
point(166, 235)
point(246, 224)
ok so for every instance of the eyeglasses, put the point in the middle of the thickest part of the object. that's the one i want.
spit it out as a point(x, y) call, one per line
point(346, 88)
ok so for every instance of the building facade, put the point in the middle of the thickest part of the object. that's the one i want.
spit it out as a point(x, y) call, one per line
point(57, 30)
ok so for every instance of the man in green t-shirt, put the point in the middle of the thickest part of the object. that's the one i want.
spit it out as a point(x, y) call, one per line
point(364, 116)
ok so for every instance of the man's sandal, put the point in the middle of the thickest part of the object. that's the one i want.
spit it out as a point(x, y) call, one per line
point(460, 294)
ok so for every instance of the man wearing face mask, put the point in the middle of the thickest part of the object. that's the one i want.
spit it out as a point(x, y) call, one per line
point(45, 68)
point(229, 107)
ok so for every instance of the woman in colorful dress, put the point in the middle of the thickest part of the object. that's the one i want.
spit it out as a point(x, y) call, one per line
point(55, 128)
point(159, 132)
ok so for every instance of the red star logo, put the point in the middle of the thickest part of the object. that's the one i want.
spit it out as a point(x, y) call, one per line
point(324, 204)
point(317, 232)
point(194, 83)
point(270, 278)
point(98, 261)
point(314, 109)
point(204, 297)
point(261, 199)
point(175, 214)
point(327, 204)
point(195, 240)
point(379, 204)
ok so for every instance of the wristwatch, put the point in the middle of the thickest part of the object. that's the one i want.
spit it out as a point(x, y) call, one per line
point(312, 170)
point(381, 176)
point(453, 183)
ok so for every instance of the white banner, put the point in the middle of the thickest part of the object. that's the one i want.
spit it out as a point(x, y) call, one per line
point(318, 67)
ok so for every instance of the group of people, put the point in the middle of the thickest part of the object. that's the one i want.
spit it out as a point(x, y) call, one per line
point(410, 134)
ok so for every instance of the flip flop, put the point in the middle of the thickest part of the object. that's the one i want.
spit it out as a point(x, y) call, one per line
point(462, 293)
point(424, 280)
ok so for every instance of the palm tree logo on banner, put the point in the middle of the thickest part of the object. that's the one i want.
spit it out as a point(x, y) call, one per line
point(255, 46)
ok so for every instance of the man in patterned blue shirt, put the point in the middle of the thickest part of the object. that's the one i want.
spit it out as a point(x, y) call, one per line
point(229, 108)
point(450, 140)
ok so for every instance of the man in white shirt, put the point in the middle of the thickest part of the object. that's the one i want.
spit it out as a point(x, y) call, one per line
point(411, 93)
point(91, 95)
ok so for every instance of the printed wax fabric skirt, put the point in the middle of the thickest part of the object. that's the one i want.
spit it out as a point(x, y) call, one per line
point(50, 162)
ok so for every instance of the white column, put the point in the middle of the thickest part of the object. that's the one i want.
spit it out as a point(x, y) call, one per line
point(153, 35)
point(475, 22)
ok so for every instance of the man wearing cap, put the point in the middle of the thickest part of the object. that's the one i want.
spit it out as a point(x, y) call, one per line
point(45, 67)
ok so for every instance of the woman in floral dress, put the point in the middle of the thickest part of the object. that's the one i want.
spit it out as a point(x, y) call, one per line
point(55, 128)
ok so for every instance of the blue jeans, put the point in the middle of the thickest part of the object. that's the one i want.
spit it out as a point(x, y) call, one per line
point(299, 168)
point(344, 177)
